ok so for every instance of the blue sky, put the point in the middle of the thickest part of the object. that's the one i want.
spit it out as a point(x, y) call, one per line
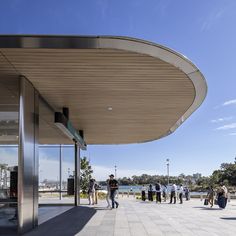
point(204, 31)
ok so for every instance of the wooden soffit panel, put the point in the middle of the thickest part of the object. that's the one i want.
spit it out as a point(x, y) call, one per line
point(116, 94)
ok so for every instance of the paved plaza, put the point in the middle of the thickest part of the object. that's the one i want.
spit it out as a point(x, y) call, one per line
point(135, 218)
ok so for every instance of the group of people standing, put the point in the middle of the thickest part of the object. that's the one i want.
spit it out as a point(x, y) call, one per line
point(218, 196)
point(112, 187)
point(162, 192)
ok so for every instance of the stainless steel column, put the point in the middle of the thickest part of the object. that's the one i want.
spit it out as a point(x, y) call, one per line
point(77, 175)
point(60, 173)
point(28, 157)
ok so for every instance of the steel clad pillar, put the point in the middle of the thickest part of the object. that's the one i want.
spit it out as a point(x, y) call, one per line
point(60, 173)
point(28, 157)
point(77, 174)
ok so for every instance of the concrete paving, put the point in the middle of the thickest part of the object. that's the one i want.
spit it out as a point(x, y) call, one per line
point(134, 218)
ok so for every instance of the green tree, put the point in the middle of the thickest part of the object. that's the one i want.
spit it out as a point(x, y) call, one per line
point(85, 174)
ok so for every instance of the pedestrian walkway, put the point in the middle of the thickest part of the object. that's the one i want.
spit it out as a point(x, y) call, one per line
point(135, 218)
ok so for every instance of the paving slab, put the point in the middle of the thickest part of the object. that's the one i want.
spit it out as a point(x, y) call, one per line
point(134, 218)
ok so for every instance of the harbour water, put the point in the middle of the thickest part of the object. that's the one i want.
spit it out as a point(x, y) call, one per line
point(137, 189)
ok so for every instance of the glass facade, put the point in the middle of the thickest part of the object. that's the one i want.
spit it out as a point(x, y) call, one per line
point(56, 170)
point(32, 167)
point(9, 134)
point(68, 172)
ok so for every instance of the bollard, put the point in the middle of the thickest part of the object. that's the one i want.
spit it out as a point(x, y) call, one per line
point(127, 194)
point(201, 197)
point(122, 194)
point(229, 197)
point(134, 194)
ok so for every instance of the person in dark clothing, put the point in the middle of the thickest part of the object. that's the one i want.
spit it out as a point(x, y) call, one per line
point(150, 193)
point(143, 193)
point(113, 184)
point(187, 194)
point(158, 192)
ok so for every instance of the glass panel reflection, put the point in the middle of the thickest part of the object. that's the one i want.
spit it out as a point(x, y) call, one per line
point(9, 132)
point(68, 171)
point(49, 184)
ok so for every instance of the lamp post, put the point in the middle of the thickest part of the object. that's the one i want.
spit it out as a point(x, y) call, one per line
point(168, 169)
point(115, 171)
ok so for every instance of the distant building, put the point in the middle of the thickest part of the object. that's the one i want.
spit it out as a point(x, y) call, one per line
point(197, 176)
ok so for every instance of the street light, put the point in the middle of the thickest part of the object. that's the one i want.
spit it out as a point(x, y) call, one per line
point(115, 171)
point(168, 166)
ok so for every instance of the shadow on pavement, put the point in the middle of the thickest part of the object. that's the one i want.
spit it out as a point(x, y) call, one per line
point(228, 218)
point(209, 208)
point(68, 223)
point(8, 231)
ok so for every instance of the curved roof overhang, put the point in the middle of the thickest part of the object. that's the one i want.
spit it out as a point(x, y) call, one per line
point(118, 89)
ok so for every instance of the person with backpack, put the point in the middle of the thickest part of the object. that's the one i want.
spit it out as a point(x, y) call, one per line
point(158, 192)
point(113, 184)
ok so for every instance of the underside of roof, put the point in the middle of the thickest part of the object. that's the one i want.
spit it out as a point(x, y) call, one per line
point(118, 89)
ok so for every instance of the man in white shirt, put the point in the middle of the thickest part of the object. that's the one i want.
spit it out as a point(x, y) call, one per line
point(173, 193)
point(181, 190)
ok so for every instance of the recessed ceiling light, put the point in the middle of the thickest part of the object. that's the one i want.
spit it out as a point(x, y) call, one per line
point(109, 108)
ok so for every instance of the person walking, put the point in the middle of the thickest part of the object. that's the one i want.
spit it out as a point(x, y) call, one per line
point(210, 196)
point(222, 196)
point(150, 193)
point(181, 190)
point(158, 192)
point(113, 184)
point(108, 196)
point(96, 187)
point(91, 191)
point(164, 192)
point(225, 194)
point(143, 193)
point(173, 193)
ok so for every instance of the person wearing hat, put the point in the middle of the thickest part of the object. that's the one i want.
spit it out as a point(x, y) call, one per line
point(113, 184)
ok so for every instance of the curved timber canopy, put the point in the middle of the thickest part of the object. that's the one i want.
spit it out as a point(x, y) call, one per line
point(118, 89)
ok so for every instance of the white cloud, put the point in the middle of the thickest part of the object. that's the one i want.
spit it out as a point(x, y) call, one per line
point(222, 119)
point(102, 172)
point(212, 18)
point(49, 169)
point(226, 127)
point(230, 102)
point(9, 156)
point(232, 134)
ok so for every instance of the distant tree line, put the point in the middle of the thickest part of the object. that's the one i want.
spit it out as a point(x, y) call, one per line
point(152, 179)
point(226, 174)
